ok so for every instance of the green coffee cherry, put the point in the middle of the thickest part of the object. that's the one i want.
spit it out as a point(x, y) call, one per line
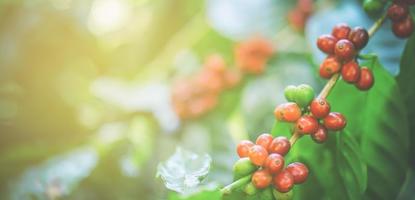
point(304, 95)
point(373, 7)
point(250, 189)
point(243, 167)
point(282, 196)
point(290, 93)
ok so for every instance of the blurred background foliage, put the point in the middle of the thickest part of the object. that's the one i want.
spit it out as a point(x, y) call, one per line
point(85, 89)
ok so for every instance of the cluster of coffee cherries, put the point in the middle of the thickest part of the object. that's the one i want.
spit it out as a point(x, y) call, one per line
point(265, 161)
point(402, 22)
point(311, 115)
point(252, 55)
point(298, 16)
point(195, 96)
point(342, 46)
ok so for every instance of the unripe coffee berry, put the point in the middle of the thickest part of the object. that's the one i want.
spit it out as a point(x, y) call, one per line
point(404, 28)
point(307, 124)
point(290, 93)
point(283, 196)
point(334, 121)
point(351, 72)
point(341, 31)
point(261, 179)
point(280, 145)
point(243, 167)
point(373, 7)
point(359, 37)
point(299, 172)
point(326, 43)
point(274, 163)
point(366, 79)
point(289, 112)
point(258, 154)
point(320, 135)
point(319, 108)
point(264, 140)
point(304, 95)
point(330, 66)
point(250, 189)
point(344, 50)
point(283, 181)
point(243, 148)
point(398, 12)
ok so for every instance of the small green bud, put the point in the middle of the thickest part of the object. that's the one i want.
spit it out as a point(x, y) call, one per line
point(282, 196)
point(290, 92)
point(250, 189)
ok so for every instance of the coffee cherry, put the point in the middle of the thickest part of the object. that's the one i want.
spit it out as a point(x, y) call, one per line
point(283, 181)
point(290, 93)
point(320, 135)
point(359, 37)
point(258, 154)
point(366, 79)
point(351, 72)
point(288, 112)
point(243, 148)
point(274, 163)
point(373, 7)
point(306, 124)
point(344, 50)
point(404, 28)
point(398, 12)
point(261, 179)
point(299, 172)
point(334, 121)
point(264, 140)
point(280, 145)
point(250, 189)
point(283, 196)
point(326, 43)
point(243, 167)
point(341, 31)
point(330, 66)
point(304, 95)
point(319, 108)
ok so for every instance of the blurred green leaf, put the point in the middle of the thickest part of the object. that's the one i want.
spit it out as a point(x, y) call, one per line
point(210, 193)
point(406, 83)
point(184, 170)
point(378, 120)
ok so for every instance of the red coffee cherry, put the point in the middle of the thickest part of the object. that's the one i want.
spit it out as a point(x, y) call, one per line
point(299, 172)
point(334, 121)
point(283, 181)
point(243, 148)
point(320, 135)
point(366, 79)
point(288, 112)
point(344, 50)
point(280, 145)
point(398, 12)
point(359, 37)
point(341, 31)
point(274, 163)
point(404, 28)
point(264, 140)
point(330, 66)
point(307, 124)
point(258, 154)
point(261, 179)
point(351, 72)
point(326, 43)
point(319, 108)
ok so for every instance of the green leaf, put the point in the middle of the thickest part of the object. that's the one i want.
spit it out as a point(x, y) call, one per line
point(184, 170)
point(406, 83)
point(207, 192)
point(378, 120)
